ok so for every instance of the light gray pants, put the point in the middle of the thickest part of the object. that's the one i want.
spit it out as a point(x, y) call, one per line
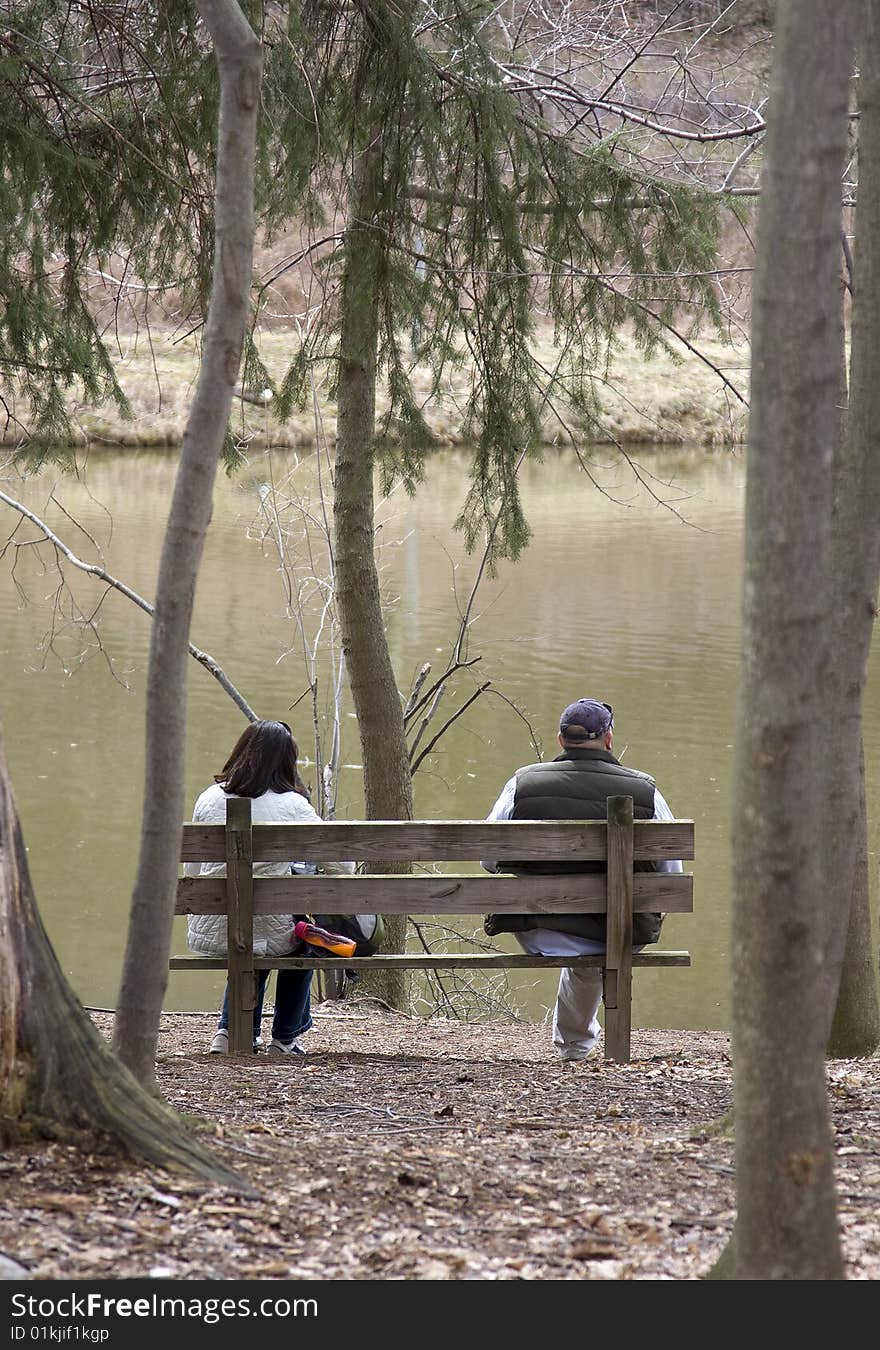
point(576, 1015)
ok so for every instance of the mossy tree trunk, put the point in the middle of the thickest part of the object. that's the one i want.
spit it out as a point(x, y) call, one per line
point(58, 1076)
point(145, 970)
point(786, 1225)
point(377, 701)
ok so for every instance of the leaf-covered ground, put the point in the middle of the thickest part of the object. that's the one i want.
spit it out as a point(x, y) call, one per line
point(407, 1149)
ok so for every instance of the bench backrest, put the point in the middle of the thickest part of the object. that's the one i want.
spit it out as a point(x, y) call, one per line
point(619, 843)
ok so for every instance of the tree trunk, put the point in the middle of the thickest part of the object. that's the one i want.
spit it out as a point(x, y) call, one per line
point(58, 1076)
point(145, 971)
point(377, 701)
point(856, 1027)
point(786, 1224)
point(856, 1019)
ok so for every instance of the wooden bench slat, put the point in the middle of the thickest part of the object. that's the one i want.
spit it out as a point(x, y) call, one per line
point(420, 961)
point(443, 841)
point(667, 892)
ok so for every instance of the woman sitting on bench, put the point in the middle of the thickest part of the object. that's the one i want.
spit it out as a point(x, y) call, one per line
point(262, 766)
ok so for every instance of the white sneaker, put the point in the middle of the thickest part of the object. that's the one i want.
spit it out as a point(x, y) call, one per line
point(220, 1043)
point(276, 1047)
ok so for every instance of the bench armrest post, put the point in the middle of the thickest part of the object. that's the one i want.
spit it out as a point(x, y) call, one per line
point(240, 924)
point(617, 976)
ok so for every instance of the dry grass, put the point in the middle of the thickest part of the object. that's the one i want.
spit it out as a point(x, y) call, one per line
point(661, 401)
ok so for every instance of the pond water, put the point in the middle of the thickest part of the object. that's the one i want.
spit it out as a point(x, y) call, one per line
point(617, 596)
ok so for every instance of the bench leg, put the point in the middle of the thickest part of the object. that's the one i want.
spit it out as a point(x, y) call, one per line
point(242, 1001)
point(617, 997)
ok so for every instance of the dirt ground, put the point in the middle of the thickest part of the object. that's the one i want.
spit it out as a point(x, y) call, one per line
point(405, 1149)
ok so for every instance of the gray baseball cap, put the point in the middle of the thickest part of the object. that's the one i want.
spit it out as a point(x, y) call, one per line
point(587, 718)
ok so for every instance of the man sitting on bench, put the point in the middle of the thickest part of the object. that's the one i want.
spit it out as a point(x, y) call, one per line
point(575, 786)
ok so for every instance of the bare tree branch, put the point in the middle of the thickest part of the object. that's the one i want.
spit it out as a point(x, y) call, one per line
point(449, 721)
point(101, 574)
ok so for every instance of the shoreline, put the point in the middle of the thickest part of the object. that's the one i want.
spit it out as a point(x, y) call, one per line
point(658, 402)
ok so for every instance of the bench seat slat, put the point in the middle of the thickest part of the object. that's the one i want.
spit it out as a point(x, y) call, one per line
point(443, 841)
point(668, 892)
point(419, 961)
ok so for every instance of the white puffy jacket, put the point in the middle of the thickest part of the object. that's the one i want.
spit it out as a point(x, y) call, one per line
point(206, 933)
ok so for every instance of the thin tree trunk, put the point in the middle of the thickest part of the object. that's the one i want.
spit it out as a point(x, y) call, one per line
point(855, 1030)
point(377, 701)
point(145, 971)
point(851, 990)
point(58, 1076)
point(786, 1224)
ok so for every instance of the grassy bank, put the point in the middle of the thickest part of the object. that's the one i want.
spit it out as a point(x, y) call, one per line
point(661, 401)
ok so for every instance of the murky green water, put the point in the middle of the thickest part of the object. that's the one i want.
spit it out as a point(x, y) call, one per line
point(616, 597)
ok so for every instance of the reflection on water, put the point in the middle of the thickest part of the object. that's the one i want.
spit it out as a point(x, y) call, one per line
point(617, 596)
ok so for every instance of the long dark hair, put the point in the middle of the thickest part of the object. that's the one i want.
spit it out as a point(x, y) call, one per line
point(263, 759)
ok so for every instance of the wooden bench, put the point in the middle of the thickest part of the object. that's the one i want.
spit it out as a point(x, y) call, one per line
point(618, 892)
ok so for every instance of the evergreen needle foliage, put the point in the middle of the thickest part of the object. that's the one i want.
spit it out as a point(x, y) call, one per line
point(481, 215)
point(107, 131)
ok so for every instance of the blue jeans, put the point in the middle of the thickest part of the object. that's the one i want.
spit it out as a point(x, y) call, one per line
point(293, 1012)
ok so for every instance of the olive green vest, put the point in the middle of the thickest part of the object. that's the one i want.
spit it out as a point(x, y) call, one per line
point(576, 785)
